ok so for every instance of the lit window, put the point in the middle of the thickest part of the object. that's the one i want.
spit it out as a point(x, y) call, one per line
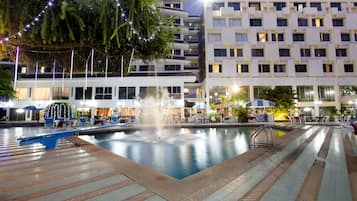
point(215, 68)
point(327, 68)
point(60, 93)
point(317, 22)
point(21, 93)
point(255, 5)
point(41, 94)
point(242, 68)
point(262, 37)
point(23, 69)
point(42, 70)
point(236, 52)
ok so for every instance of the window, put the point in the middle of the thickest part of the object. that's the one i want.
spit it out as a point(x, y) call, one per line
point(256, 22)
point(83, 94)
point(126, 93)
point(241, 37)
point(345, 37)
point(264, 68)
point(348, 68)
point(298, 37)
point(327, 68)
point(277, 37)
point(217, 5)
point(262, 37)
point(41, 94)
point(174, 92)
point(336, 5)
point(215, 68)
point(235, 5)
point(337, 22)
point(320, 52)
point(299, 6)
point(177, 21)
point(279, 68)
point(279, 5)
point(177, 5)
point(60, 93)
point(177, 52)
point(255, 5)
point(147, 92)
point(305, 93)
point(303, 22)
point(22, 94)
point(355, 34)
point(219, 22)
point(236, 52)
point(284, 52)
point(305, 52)
point(234, 22)
point(326, 93)
point(282, 22)
point(146, 68)
point(317, 22)
point(177, 36)
point(23, 69)
point(103, 93)
point(214, 37)
point(172, 67)
point(324, 37)
point(220, 52)
point(257, 52)
point(341, 52)
point(300, 68)
point(354, 4)
point(316, 5)
point(242, 68)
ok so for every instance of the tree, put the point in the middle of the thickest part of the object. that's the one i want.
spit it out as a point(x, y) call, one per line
point(283, 96)
point(87, 24)
point(6, 87)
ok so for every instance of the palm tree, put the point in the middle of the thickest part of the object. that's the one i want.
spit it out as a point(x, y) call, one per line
point(87, 24)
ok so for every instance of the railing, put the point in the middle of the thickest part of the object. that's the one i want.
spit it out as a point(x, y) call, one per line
point(267, 130)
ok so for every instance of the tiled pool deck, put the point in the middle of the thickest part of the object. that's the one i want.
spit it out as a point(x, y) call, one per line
point(310, 163)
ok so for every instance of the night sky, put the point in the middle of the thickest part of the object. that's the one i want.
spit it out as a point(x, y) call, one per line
point(194, 7)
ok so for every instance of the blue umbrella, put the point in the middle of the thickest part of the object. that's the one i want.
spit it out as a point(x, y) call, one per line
point(31, 107)
point(260, 103)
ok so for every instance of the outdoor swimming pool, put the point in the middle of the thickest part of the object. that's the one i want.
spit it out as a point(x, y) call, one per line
point(179, 152)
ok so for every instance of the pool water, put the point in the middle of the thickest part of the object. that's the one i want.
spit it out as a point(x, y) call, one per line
point(180, 152)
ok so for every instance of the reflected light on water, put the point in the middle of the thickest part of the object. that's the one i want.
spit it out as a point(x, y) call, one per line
point(175, 154)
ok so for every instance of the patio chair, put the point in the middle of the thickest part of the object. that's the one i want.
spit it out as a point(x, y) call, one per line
point(83, 121)
point(114, 120)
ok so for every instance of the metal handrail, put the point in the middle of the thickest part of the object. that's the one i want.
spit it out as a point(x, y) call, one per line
point(268, 130)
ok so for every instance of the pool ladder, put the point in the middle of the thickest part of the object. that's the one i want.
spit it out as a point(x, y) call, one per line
point(265, 129)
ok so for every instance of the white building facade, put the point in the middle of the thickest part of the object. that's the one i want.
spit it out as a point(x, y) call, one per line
point(310, 46)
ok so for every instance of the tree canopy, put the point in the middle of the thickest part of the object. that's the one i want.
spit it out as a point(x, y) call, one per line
point(87, 24)
point(6, 90)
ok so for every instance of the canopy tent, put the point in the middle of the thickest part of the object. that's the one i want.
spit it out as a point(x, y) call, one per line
point(260, 103)
point(31, 107)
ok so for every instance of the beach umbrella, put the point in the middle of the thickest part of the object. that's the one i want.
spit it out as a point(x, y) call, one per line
point(31, 107)
point(261, 103)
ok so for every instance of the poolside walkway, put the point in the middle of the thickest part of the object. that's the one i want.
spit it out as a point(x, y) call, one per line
point(311, 163)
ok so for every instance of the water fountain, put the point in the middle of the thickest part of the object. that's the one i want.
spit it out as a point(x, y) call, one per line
point(155, 113)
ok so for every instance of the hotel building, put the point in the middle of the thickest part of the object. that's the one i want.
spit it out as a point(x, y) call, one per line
point(310, 46)
point(97, 96)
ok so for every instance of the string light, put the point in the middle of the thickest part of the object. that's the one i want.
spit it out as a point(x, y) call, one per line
point(50, 3)
point(133, 30)
point(28, 26)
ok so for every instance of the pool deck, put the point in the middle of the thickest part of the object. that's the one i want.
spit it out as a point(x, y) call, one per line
point(315, 162)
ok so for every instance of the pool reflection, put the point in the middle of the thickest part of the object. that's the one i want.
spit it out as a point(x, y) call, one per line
point(179, 160)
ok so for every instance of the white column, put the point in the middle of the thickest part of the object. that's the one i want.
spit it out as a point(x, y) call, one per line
point(316, 98)
point(251, 93)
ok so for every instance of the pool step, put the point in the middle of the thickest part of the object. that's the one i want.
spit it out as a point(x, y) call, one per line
point(264, 185)
point(237, 188)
